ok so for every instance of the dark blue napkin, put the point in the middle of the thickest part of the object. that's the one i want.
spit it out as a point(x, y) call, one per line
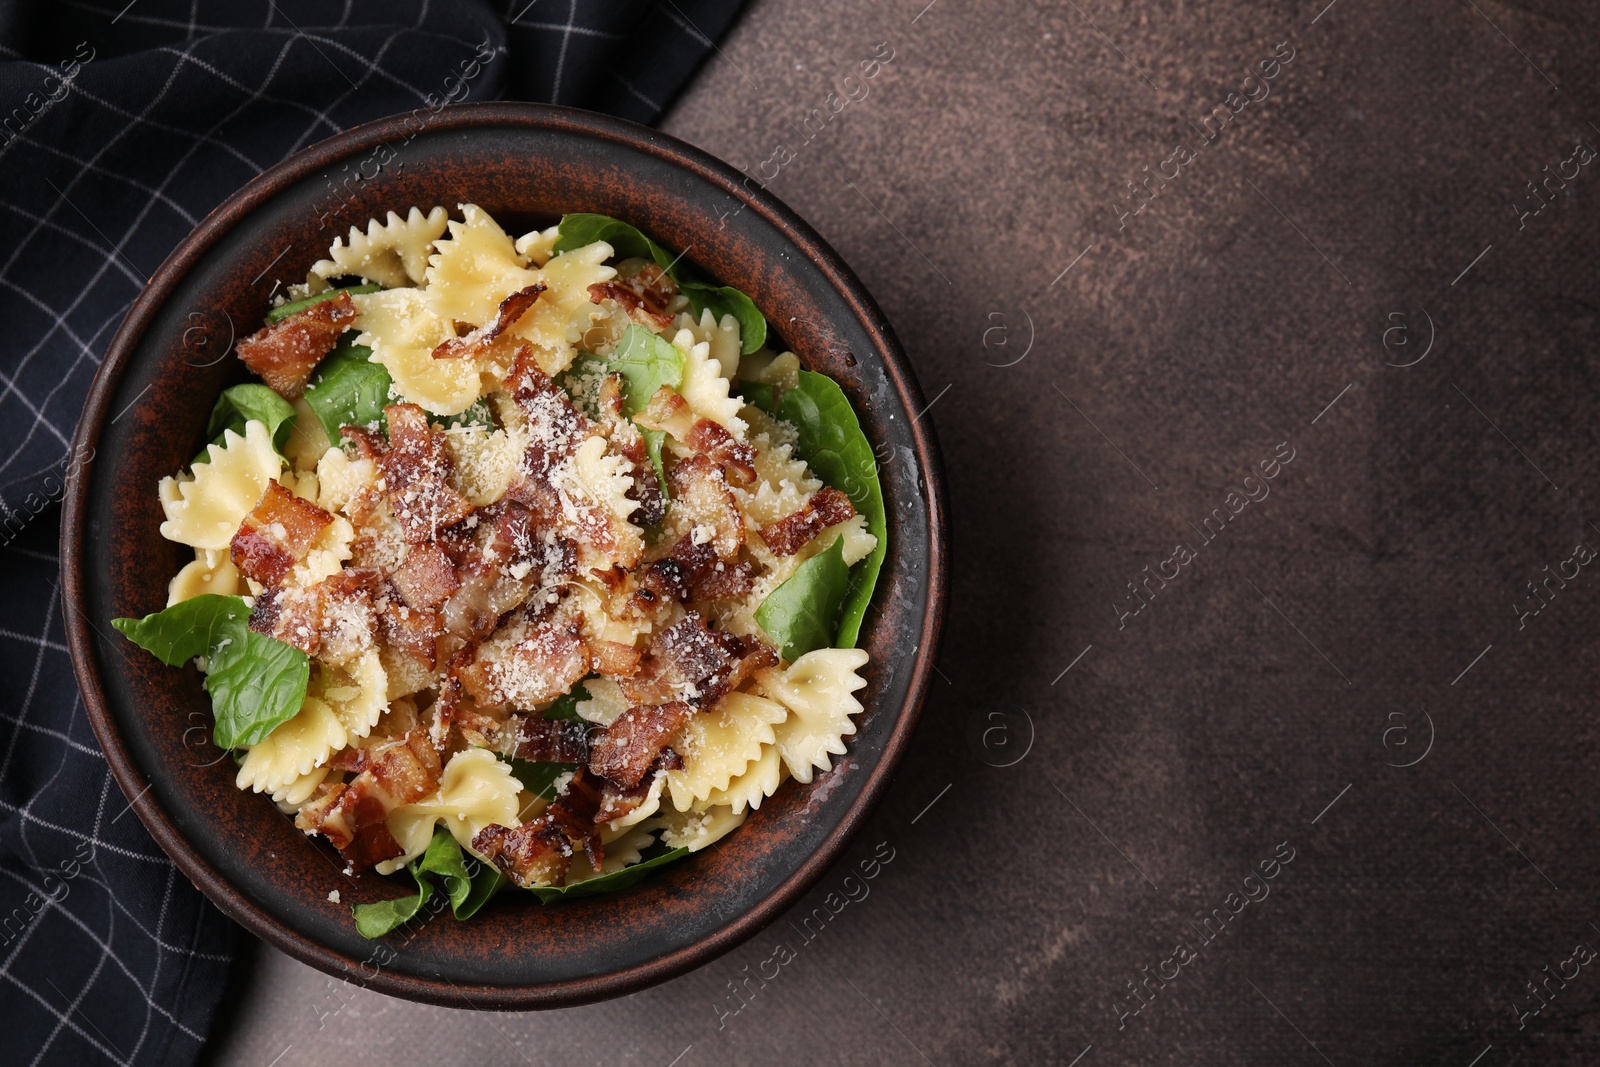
point(121, 125)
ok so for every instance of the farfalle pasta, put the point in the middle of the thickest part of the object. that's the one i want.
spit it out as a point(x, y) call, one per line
point(515, 565)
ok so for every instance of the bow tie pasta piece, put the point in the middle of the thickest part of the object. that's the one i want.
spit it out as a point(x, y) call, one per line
point(205, 509)
point(402, 328)
point(718, 745)
point(476, 789)
point(783, 482)
point(392, 253)
point(340, 706)
point(721, 337)
point(647, 807)
point(537, 246)
point(567, 277)
point(475, 268)
point(758, 782)
point(704, 387)
point(694, 830)
point(817, 690)
point(605, 701)
point(211, 572)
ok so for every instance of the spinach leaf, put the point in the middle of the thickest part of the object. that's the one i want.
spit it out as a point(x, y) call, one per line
point(726, 300)
point(240, 403)
point(628, 242)
point(382, 917)
point(646, 363)
point(757, 394)
point(799, 615)
point(283, 311)
point(831, 441)
point(606, 883)
point(467, 890)
point(537, 776)
point(255, 682)
point(347, 389)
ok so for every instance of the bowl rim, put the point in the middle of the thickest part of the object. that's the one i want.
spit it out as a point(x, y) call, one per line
point(160, 824)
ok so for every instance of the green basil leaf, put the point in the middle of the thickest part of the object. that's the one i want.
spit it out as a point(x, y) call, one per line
point(646, 363)
point(606, 883)
point(347, 389)
point(800, 614)
point(726, 300)
point(187, 629)
point(256, 683)
point(757, 394)
point(240, 403)
point(537, 776)
point(375, 920)
point(626, 241)
point(831, 441)
point(283, 311)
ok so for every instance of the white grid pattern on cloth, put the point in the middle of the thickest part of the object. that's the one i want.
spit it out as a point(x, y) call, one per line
point(185, 101)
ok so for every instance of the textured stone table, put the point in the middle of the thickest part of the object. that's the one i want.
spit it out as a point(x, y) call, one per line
point(1322, 387)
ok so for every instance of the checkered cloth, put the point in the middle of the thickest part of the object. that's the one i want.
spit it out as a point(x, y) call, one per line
point(121, 125)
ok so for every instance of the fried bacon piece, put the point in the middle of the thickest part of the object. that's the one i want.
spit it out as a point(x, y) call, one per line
point(512, 558)
point(535, 853)
point(427, 577)
point(827, 507)
point(704, 575)
point(277, 534)
point(351, 815)
point(333, 620)
point(689, 662)
point(615, 801)
point(613, 658)
point(512, 308)
point(573, 813)
point(670, 412)
point(633, 741)
point(701, 495)
point(555, 430)
point(628, 299)
point(416, 467)
point(286, 353)
point(529, 661)
point(412, 631)
point(550, 740)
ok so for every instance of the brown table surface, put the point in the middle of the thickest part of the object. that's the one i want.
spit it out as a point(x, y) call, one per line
point(1353, 273)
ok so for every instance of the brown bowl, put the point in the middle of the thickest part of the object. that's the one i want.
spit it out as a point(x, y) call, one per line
point(145, 417)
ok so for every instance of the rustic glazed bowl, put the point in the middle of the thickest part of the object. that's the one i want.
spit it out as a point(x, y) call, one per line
point(145, 418)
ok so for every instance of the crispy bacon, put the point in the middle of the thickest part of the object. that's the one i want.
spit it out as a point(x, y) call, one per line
point(535, 853)
point(713, 440)
point(707, 505)
point(573, 813)
point(531, 662)
point(416, 467)
point(827, 507)
point(689, 662)
point(277, 534)
point(286, 353)
point(549, 740)
point(616, 801)
point(411, 631)
point(333, 620)
point(613, 658)
point(634, 740)
point(512, 558)
point(704, 576)
point(627, 299)
point(654, 285)
point(512, 308)
point(555, 430)
point(427, 577)
point(351, 816)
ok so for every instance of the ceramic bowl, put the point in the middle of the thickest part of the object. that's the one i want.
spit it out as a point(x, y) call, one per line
point(145, 418)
